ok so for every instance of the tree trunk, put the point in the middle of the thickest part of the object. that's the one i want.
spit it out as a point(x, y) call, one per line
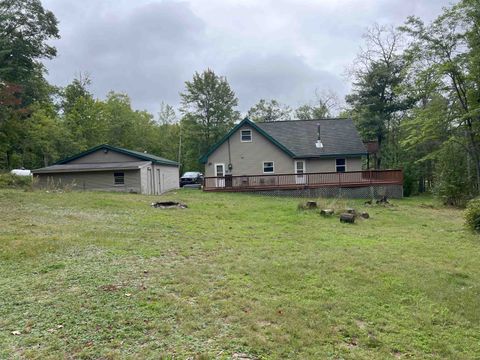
point(347, 218)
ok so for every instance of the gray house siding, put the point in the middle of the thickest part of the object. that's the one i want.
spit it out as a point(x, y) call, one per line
point(157, 179)
point(94, 169)
point(328, 165)
point(95, 180)
point(247, 157)
point(100, 156)
point(170, 177)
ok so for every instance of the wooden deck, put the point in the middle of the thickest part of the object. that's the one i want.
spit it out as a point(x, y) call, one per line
point(303, 181)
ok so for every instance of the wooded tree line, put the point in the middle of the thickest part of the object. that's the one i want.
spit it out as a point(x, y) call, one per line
point(416, 91)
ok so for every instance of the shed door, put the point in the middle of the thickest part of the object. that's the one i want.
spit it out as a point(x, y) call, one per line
point(150, 188)
point(159, 182)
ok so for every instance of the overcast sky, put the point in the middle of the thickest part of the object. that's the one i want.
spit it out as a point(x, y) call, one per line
point(281, 49)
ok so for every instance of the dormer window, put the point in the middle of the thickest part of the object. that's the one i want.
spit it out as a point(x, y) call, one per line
point(246, 136)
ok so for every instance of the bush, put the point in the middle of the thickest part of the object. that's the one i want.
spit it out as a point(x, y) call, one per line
point(10, 181)
point(472, 215)
point(453, 186)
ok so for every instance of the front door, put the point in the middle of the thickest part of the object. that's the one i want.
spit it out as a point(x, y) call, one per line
point(300, 177)
point(220, 174)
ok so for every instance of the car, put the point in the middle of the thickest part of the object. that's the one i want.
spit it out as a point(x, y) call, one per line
point(191, 179)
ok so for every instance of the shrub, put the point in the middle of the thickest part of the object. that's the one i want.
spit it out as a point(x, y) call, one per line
point(472, 215)
point(453, 185)
point(10, 181)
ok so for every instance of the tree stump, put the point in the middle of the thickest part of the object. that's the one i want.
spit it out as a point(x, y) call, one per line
point(365, 215)
point(383, 200)
point(347, 218)
point(311, 205)
point(326, 212)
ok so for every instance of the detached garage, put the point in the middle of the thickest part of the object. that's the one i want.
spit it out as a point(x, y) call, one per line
point(109, 168)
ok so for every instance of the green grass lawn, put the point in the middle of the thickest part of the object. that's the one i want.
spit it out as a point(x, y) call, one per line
point(101, 275)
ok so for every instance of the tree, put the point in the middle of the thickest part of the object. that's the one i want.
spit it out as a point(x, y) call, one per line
point(73, 92)
point(267, 111)
point(208, 108)
point(84, 116)
point(448, 49)
point(25, 29)
point(46, 138)
point(377, 103)
point(322, 107)
point(167, 114)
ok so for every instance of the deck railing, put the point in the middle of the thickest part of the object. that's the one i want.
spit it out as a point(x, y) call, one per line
point(303, 181)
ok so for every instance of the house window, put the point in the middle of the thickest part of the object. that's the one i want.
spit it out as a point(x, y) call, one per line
point(340, 165)
point(268, 167)
point(119, 178)
point(246, 136)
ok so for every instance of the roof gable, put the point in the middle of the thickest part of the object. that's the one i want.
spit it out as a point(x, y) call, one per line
point(297, 137)
point(245, 121)
point(136, 154)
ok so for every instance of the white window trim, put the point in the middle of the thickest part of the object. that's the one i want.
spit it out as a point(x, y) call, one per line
point(223, 167)
point(340, 165)
point(251, 135)
point(273, 167)
point(304, 166)
point(220, 181)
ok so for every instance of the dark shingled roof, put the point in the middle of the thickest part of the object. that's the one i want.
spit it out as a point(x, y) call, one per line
point(297, 138)
point(128, 165)
point(339, 137)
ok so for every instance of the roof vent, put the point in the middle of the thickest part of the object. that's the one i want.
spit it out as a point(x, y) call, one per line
point(318, 143)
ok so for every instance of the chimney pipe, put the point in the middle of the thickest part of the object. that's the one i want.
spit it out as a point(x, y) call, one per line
point(318, 143)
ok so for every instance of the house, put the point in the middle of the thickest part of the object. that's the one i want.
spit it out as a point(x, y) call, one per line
point(295, 155)
point(110, 168)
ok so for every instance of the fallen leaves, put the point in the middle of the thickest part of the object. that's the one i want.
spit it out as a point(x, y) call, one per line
point(58, 327)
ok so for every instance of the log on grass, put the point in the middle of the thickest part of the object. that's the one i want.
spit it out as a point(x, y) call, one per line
point(365, 215)
point(326, 212)
point(347, 218)
point(311, 205)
